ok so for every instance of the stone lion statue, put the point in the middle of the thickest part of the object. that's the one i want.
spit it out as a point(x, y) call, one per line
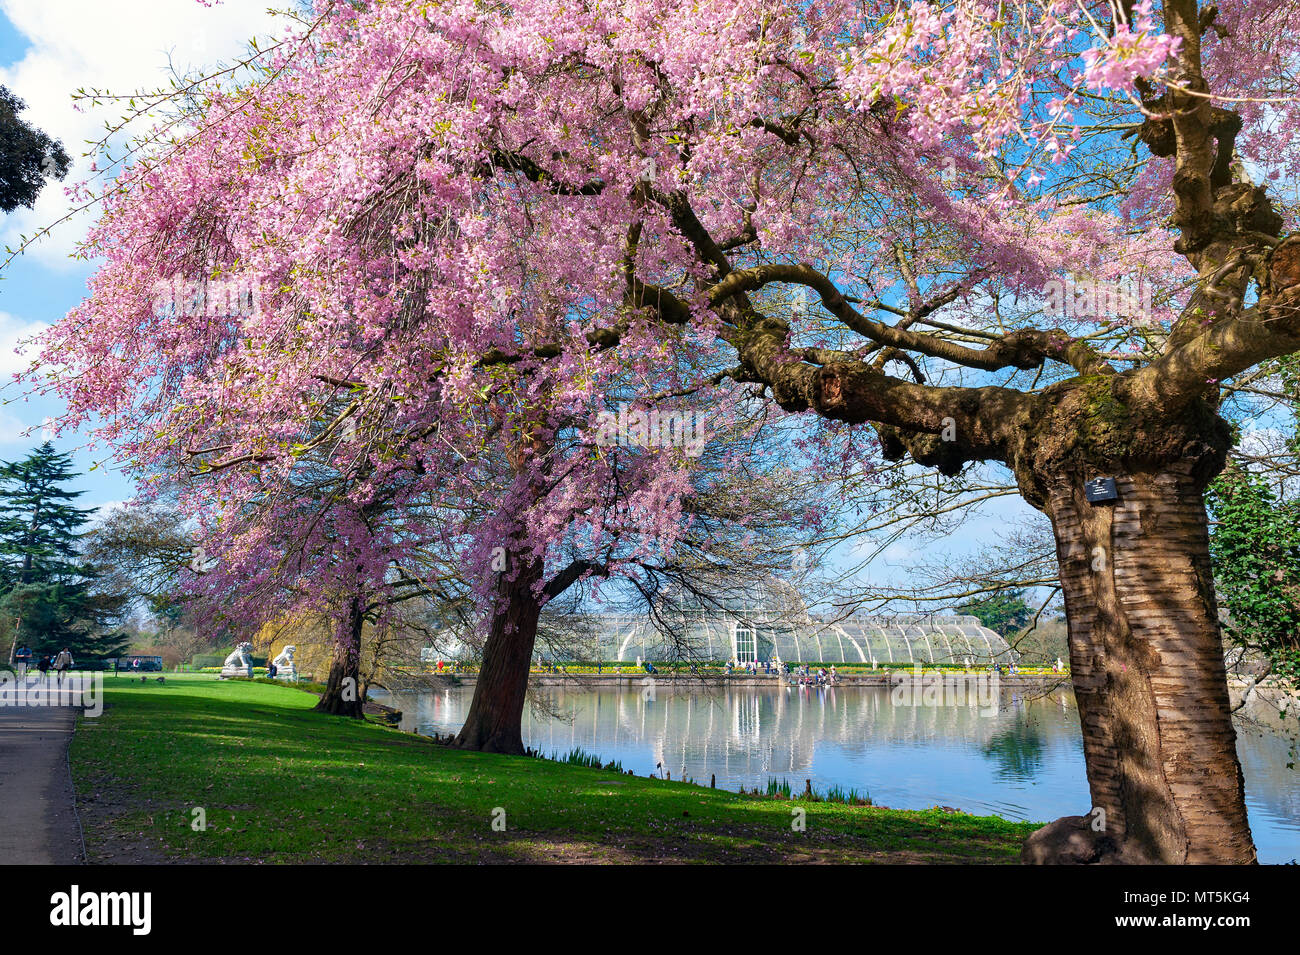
point(240, 659)
point(285, 667)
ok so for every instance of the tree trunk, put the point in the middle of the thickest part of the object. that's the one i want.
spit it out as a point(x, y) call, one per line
point(343, 695)
point(495, 720)
point(1146, 658)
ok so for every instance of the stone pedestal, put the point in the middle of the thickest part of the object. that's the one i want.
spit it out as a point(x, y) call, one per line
point(285, 669)
point(239, 663)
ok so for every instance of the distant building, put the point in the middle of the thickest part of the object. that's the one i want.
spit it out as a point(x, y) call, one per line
point(755, 623)
point(759, 637)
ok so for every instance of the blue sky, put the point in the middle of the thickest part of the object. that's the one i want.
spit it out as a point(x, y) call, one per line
point(49, 49)
point(36, 292)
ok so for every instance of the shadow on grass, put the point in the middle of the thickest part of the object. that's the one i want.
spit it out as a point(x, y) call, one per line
point(277, 782)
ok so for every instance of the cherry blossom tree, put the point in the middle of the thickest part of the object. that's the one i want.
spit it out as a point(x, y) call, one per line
point(1032, 232)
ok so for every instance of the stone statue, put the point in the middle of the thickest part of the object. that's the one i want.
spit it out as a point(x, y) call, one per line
point(285, 668)
point(239, 663)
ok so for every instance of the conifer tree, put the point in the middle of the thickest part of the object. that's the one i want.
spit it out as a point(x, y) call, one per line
point(46, 590)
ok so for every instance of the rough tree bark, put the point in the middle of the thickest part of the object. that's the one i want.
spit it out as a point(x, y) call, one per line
point(494, 723)
point(1147, 665)
point(342, 695)
point(1146, 652)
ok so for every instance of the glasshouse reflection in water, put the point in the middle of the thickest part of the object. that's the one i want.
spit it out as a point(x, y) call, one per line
point(1013, 754)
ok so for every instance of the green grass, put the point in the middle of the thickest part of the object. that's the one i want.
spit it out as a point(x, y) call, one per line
point(279, 783)
point(782, 790)
point(580, 757)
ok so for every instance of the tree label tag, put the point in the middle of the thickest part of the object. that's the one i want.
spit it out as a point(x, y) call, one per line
point(1101, 489)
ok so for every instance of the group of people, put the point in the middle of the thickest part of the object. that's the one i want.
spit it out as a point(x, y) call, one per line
point(61, 662)
point(806, 676)
point(803, 675)
point(752, 667)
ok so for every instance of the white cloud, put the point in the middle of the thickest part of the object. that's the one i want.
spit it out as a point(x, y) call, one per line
point(117, 45)
point(11, 429)
point(103, 511)
point(14, 331)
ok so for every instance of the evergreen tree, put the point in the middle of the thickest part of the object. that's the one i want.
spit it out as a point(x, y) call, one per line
point(46, 589)
point(1005, 611)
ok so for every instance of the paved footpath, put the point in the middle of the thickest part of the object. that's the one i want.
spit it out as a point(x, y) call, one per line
point(38, 825)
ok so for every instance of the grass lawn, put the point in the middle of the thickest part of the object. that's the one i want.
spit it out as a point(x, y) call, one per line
point(279, 783)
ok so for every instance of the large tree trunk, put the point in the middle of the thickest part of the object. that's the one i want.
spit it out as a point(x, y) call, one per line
point(343, 695)
point(1147, 664)
point(495, 720)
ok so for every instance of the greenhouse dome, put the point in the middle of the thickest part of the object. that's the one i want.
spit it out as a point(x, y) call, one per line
point(759, 637)
point(761, 621)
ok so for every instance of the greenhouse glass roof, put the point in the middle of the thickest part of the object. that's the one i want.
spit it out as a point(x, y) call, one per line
point(703, 635)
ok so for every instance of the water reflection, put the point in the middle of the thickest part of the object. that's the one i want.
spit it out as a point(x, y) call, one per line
point(1017, 752)
point(1016, 756)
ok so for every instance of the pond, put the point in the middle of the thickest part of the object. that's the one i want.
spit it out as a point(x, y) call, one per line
point(1013, 754)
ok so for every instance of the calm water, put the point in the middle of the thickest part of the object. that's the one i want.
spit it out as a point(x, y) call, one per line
point(1011, 755)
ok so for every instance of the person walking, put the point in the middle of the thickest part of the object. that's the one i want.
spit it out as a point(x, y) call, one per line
point(62, 663)
point(22, 658)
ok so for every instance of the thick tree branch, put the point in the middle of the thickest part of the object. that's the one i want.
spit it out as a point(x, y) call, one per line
point(1027, 348)
point(1230, 346)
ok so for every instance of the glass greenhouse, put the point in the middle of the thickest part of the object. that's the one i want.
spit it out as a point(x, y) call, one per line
point(758, 637)
point(760, 622)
